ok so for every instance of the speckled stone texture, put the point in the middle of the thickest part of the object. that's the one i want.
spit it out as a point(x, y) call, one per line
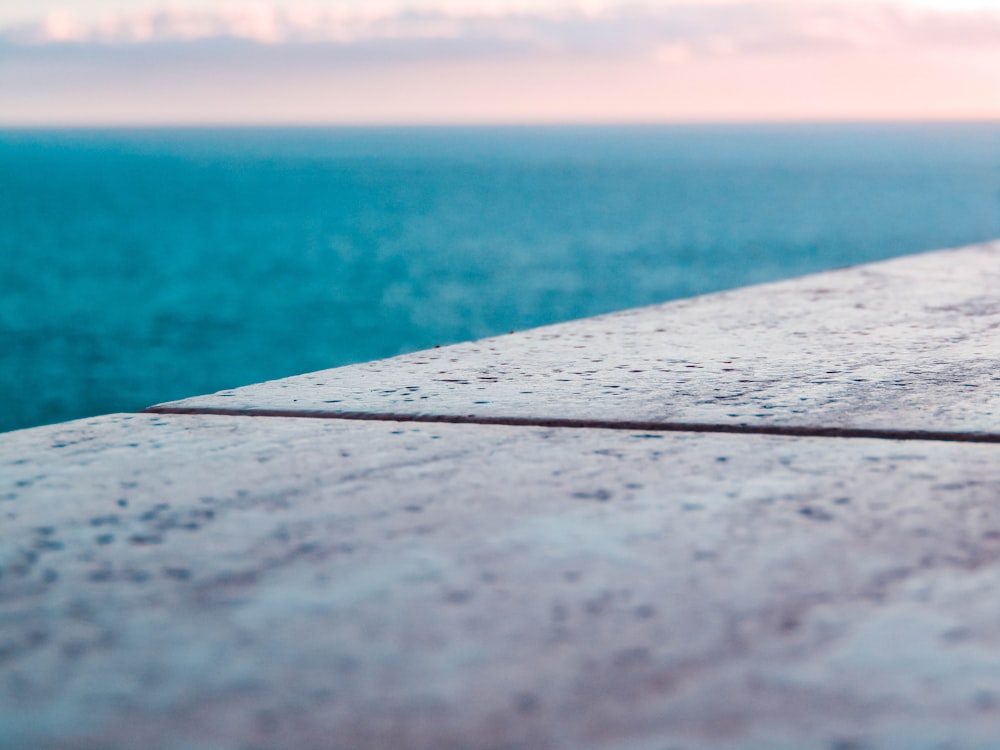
point(908, 345)
point(199, 582)
point(204, 582)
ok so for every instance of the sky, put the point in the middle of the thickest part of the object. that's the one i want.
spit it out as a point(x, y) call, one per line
point(169, 62)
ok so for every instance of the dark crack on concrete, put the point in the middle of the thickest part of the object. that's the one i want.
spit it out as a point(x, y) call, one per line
point(598, 424)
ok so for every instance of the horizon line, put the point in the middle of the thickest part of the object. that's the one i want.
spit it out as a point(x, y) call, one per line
point(992, 119)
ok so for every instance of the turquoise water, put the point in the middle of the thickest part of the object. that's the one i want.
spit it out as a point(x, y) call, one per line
point(139, 266)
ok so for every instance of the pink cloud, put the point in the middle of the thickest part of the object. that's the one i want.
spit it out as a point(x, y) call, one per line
point(710, 29)
point(757, 60)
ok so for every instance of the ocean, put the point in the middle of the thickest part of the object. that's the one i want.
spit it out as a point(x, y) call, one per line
point(139, 266)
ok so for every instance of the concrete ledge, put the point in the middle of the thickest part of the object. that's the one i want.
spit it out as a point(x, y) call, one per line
point(316, 584)
point(195, 581)
point(908, 345)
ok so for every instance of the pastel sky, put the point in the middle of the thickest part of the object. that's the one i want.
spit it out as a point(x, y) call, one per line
point(74, 62)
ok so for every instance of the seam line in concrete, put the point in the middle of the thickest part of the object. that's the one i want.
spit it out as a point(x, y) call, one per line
point(631, 426)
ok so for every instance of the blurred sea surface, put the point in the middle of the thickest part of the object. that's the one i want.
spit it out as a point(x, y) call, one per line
point(139, 266)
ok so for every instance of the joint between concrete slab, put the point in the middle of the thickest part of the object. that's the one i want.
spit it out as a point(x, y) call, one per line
point(627, 425)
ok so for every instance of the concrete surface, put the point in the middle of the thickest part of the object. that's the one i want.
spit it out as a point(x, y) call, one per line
point(906, 346)
point(221, 582)
point(628, 577)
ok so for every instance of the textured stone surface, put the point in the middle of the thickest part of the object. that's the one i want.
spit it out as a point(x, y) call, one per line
point(203, 582)
point(910, 344)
